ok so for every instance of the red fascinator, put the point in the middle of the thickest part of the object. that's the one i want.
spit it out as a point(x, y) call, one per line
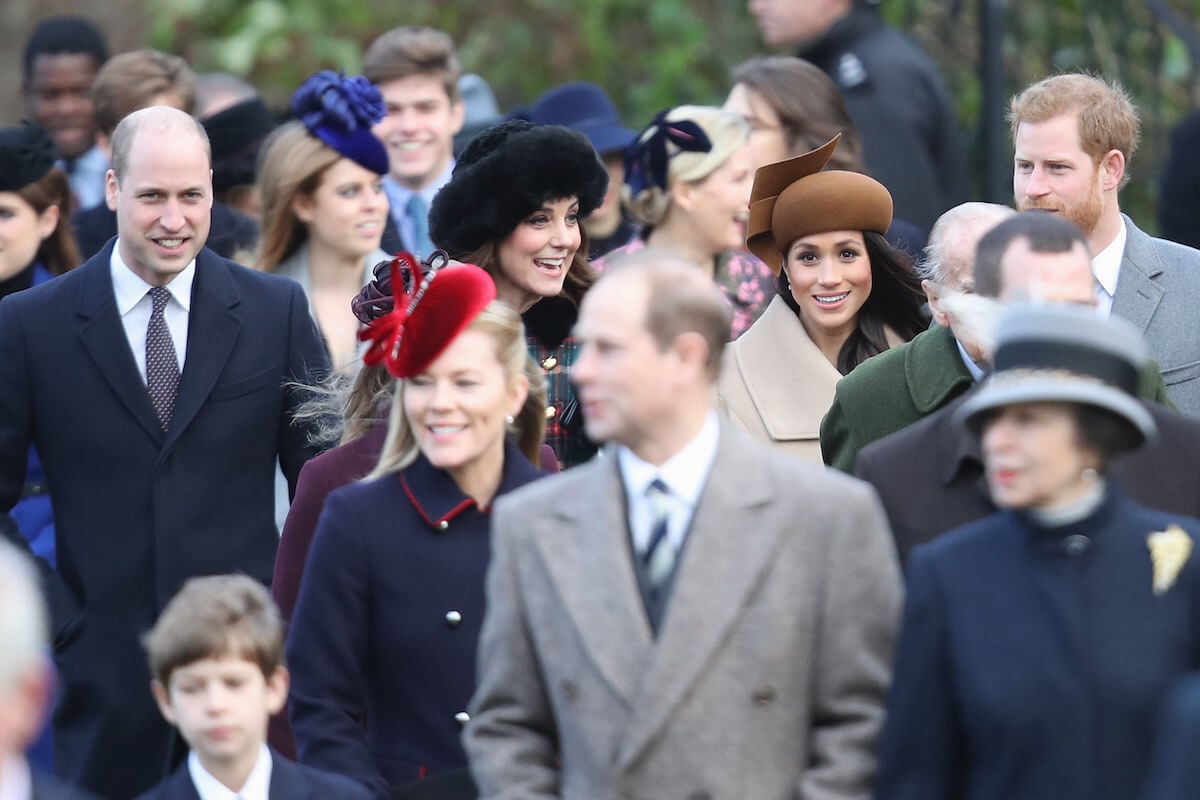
point(439, 304)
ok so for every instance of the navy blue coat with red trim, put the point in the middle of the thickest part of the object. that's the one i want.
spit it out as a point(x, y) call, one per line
point(373, 635)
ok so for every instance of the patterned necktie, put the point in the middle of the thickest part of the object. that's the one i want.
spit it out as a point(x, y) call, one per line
point(659, 556)
point(418, 215)
point(162, 365)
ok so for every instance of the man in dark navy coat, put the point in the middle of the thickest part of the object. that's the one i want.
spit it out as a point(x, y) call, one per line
point(160, 417)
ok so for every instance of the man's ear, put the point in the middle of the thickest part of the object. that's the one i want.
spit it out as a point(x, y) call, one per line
point(1112, 170)
point(163, 698)
point(692, 350)
point(933, 293)
point(111, 188)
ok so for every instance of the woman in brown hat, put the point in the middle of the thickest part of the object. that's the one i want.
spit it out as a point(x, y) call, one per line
point(845, 295)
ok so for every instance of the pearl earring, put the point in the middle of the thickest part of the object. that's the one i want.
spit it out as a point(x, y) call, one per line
point(509, 419)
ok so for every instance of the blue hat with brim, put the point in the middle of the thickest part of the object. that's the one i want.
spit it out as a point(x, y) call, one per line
point(586, 108)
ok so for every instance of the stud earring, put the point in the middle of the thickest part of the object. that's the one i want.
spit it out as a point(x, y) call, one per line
point(509, 419)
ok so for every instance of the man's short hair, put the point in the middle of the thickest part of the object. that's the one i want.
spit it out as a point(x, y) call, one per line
point(23, 619)
point(1045, 233)
point(218, 616)
point(677, 303)
point(134, 80)
point(932, 266)
point(126, 132)
point(64, 36)
point(413, 50)
point(1108, 120)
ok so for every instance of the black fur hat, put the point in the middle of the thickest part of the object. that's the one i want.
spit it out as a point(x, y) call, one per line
point(505, 174)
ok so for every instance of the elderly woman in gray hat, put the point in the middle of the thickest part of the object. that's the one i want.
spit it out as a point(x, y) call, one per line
point(1038, 643)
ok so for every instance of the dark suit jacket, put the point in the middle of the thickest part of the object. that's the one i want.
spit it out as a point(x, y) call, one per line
point(1175, 769)
point(930, 475)
point(289, 781)
point(371, 637)
point(139, 510)
point(45, 788)
point(1033, 660)
point(231, 231)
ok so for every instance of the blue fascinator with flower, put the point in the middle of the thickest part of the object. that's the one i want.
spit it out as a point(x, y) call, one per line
point(647, 158)
point(340, 112)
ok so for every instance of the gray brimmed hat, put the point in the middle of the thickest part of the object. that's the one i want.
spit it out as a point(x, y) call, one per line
point(1054, 353)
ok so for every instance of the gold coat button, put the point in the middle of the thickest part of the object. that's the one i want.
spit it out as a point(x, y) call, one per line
point(550, 412)
point(462, 718)
point(443, 525)
point(549, 363)
point(453, 618)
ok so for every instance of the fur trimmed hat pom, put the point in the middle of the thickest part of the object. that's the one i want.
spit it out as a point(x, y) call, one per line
point(505, 174)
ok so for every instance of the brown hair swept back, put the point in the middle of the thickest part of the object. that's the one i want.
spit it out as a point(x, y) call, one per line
point(58, 252)
point(134, 80)
point(413, 50)
point(217, 616)
point(1108, 120)
point(808, 104)
point(677, 302)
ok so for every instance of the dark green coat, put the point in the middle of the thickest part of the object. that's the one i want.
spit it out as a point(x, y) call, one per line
point(900, 386)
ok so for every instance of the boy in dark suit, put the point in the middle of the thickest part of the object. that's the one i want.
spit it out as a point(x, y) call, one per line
point(216, 655)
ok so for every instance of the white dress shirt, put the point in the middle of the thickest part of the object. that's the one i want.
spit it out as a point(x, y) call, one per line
point(976, 371)
point(685, 474)
point(135, 306)
point(256, 787)
point(1106, 266)
point(15, 781)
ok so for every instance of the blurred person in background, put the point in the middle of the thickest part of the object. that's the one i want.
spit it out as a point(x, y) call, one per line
point(687, 182)
point(323, 204)
point(61, 59)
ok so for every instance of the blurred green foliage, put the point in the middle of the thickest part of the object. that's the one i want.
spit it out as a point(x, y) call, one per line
point(651, 54)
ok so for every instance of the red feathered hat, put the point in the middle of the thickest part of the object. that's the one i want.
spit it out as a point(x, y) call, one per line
point(422, 323)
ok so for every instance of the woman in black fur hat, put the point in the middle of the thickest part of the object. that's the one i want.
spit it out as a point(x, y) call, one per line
point(513, 206)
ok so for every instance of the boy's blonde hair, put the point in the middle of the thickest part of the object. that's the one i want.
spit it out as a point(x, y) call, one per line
point(215, 617)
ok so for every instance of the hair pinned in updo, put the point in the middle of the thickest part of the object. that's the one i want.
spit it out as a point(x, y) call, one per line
point(686, 143)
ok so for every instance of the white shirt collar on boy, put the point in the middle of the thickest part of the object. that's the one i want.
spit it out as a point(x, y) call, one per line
point(15, 781)
point(257, 786)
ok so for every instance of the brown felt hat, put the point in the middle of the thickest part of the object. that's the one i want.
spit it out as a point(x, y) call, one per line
point(794, 198)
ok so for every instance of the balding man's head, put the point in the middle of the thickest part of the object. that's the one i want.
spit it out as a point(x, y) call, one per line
point(163, 120)
point(1035, 255)
point(652, 332)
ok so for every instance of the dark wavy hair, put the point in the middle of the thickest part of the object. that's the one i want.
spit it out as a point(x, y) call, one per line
point(580, 275)
point(895, 302)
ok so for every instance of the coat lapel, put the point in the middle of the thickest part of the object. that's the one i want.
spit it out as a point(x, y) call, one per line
point(727, 551)
point(213, 328)
point(789, 380)
point(286, 780)
point(103, 337)
point(589, 563)
point(1137, 296)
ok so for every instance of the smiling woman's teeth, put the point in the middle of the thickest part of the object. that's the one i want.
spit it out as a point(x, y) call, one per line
point(549, 263)
point(837, 298)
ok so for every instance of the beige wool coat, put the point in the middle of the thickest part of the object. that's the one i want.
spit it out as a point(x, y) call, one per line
point(777, 385)
point(767, 677)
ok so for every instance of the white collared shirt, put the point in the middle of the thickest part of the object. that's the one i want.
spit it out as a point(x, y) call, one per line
point(1106, 266)
point(15, 780)
point(86, 176)
point(135, 306)
point(398, 195)
point(976, 371)
point(256, 787)
point(684, 473)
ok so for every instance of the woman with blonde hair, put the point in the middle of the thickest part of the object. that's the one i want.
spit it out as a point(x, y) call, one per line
point(323, 205)
point(687, 181)
point(382, 642)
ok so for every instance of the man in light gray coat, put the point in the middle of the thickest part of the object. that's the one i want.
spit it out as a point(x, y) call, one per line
point(691, 614)
point(1074, 136)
